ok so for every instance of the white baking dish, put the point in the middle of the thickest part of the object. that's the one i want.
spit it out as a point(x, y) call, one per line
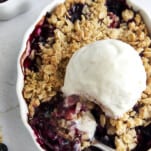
point(24, 52)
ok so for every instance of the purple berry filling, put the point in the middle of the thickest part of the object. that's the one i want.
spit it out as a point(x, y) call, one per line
point(116, 6)
point(136, 107)
point(44, 124)
point(75, 12)
point(115, 20)
point(102, 136)
point(42, 31)
point(46, 128)
point(32, 64)
point(101, 133)
point(144, 138)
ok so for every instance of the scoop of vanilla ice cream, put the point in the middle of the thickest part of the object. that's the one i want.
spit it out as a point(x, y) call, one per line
point(87, 123)
point(109, 72)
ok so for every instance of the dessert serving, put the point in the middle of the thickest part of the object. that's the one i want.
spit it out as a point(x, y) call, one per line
point(87, 76)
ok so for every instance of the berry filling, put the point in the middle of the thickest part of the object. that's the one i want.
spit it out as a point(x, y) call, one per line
point(115, 20)
point(102, 136)
point(144, 138)
point(55, 127)
point(33, 63)
point(115, 9)
point(101, 133)
point(75, 12)
point(42, 32)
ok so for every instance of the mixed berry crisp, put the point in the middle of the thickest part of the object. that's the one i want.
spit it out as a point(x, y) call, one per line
point(60, 33)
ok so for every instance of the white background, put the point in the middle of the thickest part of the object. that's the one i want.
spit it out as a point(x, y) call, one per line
point(11, 34)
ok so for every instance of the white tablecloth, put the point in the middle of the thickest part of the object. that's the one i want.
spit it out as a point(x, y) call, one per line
point(11, 34)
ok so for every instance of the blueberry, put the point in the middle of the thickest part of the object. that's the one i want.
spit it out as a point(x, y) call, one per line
point(31, 64)
point(3, 147)
point(41, 33)
point(47, 31)
point(143, 138)
point(116, 6)
point(136, 108)
point(102, 136)
point(75, 12)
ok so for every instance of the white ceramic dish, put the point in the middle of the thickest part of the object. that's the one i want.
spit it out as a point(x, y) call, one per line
point(12, 8)
point(24, 52)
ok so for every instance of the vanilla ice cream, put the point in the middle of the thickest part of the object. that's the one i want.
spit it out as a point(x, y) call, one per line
point(109, 72)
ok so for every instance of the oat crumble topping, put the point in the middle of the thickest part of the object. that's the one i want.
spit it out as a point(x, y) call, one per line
point(68, 33)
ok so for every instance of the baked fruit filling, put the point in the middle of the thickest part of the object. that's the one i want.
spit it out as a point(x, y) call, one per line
point(52, 116)
point(56, 124)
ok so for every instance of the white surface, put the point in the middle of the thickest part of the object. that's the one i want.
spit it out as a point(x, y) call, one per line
point(13, 8)
point(119, 81)
point(11, 33)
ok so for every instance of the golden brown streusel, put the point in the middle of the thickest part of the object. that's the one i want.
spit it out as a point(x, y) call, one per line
point(68, 38)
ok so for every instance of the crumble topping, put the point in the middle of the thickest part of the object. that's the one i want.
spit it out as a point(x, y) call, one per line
point(70, 29)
